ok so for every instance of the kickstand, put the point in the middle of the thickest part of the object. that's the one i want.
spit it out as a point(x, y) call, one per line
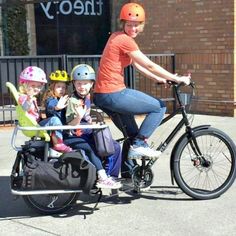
point(98, 200)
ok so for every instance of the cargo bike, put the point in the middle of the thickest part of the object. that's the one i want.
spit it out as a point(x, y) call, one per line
point(202, 161)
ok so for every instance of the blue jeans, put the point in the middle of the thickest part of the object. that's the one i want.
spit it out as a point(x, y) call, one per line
point(53, 121)
point(113, 162)
point(128, 103)
point(86, 143)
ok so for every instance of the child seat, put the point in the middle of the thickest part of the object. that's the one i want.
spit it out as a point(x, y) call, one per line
point(24, 119)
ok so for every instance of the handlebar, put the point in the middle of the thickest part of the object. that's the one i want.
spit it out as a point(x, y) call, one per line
point(178, 85)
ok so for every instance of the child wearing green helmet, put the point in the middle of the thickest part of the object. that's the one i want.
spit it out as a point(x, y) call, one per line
point(78, 112)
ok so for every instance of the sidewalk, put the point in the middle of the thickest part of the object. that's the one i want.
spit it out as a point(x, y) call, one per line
point(164, 210)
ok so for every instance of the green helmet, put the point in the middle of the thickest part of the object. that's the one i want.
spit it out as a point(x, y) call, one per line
point(83, 72)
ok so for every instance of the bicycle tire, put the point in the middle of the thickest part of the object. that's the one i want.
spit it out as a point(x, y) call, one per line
point(209, 181)
point(49, 204)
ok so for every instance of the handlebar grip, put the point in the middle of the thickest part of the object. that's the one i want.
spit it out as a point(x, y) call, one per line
point(192, 84)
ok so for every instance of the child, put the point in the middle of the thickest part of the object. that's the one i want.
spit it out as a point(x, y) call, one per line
point(55, 101)
point(78, 112)
point(32, 79)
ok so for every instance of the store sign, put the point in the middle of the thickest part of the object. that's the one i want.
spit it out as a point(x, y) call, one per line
point(87, 8)
point(72, 26)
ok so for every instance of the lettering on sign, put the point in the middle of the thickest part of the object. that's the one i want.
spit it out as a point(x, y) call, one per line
point(77, 7)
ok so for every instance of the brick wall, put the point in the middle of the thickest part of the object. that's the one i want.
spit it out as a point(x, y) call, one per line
point(201, 34)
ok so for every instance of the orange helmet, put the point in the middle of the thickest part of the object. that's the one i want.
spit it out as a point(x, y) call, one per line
point(132, 12)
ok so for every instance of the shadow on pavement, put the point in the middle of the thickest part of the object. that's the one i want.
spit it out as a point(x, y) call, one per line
point(14, 207)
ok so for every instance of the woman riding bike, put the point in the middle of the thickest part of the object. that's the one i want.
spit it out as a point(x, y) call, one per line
point(111, 94)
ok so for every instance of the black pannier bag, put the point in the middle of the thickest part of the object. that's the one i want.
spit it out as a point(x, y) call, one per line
point(70, 171)
point(36, 148)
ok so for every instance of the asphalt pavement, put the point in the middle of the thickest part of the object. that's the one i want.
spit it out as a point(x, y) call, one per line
point(163, 210)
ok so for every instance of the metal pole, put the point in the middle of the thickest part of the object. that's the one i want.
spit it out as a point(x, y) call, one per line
point(1, 34)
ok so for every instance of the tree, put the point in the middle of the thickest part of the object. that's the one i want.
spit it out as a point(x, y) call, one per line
point(15, 31)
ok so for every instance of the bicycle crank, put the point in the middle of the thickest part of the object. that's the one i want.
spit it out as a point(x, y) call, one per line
point(142, 177)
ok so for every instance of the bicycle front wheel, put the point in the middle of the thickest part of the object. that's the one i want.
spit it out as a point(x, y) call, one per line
point(211, 174)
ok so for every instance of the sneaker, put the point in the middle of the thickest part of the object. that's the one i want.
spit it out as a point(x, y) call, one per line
point(108, 183)
point(140, 151)
point(61, 147)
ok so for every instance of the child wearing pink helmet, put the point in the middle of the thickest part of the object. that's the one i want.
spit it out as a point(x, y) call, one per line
point(32, 80)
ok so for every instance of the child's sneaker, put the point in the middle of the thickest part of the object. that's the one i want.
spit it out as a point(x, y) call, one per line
point(108, 183)
point(141, 151)
point(61, 147)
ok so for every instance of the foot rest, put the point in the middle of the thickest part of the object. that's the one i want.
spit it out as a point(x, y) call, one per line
point(38, 192)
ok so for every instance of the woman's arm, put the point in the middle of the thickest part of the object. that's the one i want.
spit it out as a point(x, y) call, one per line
point(149, 74)
point(144, 62)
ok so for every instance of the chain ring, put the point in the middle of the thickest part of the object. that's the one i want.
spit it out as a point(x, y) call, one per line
point(142, 181)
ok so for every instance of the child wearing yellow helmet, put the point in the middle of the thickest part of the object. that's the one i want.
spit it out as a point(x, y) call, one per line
point(55, 101)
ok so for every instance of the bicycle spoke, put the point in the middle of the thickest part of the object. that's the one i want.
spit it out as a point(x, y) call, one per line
point(206, 174)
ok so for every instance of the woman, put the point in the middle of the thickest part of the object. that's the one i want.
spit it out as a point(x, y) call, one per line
point(111, 94)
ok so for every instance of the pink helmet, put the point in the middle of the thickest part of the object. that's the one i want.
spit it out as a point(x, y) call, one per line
point(33, 73)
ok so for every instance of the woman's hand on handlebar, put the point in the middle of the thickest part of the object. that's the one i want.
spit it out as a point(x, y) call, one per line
point(181, 80)
point(186, 79)
point(161, 80)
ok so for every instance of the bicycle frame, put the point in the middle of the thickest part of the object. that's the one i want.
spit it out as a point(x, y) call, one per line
point(189, 132)
point(184, 121)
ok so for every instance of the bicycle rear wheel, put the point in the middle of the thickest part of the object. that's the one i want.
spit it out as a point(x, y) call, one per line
point(49, 204)
point(210, 176)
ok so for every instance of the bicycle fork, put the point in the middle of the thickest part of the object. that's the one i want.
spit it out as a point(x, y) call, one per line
point(200, 160)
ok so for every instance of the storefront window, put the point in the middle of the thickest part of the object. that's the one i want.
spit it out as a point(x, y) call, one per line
point(54, 27)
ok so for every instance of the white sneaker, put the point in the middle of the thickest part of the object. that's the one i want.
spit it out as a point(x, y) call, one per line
point(54, 153)
point(147, 152)
point(108, 183)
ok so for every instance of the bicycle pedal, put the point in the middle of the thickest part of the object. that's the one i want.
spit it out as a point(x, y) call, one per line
point(145, 189)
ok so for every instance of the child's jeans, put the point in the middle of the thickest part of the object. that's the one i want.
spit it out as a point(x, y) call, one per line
point(53, 121)
point(86, 143)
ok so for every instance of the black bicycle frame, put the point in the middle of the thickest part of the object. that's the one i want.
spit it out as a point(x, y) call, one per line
point(184, 121)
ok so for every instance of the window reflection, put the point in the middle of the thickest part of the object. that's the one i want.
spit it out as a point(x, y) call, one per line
point(54, 27)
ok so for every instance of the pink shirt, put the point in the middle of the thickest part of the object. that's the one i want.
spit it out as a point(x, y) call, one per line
point(29, 105)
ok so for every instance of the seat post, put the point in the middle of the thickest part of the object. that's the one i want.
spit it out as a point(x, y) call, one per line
point(118, 122)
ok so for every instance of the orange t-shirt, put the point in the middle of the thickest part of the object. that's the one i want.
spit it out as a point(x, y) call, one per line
point(110, 77)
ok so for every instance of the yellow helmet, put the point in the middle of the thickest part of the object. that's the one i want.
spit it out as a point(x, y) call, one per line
point(60, 76)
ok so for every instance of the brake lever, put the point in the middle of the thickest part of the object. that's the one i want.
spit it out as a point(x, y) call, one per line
point(192, 84)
